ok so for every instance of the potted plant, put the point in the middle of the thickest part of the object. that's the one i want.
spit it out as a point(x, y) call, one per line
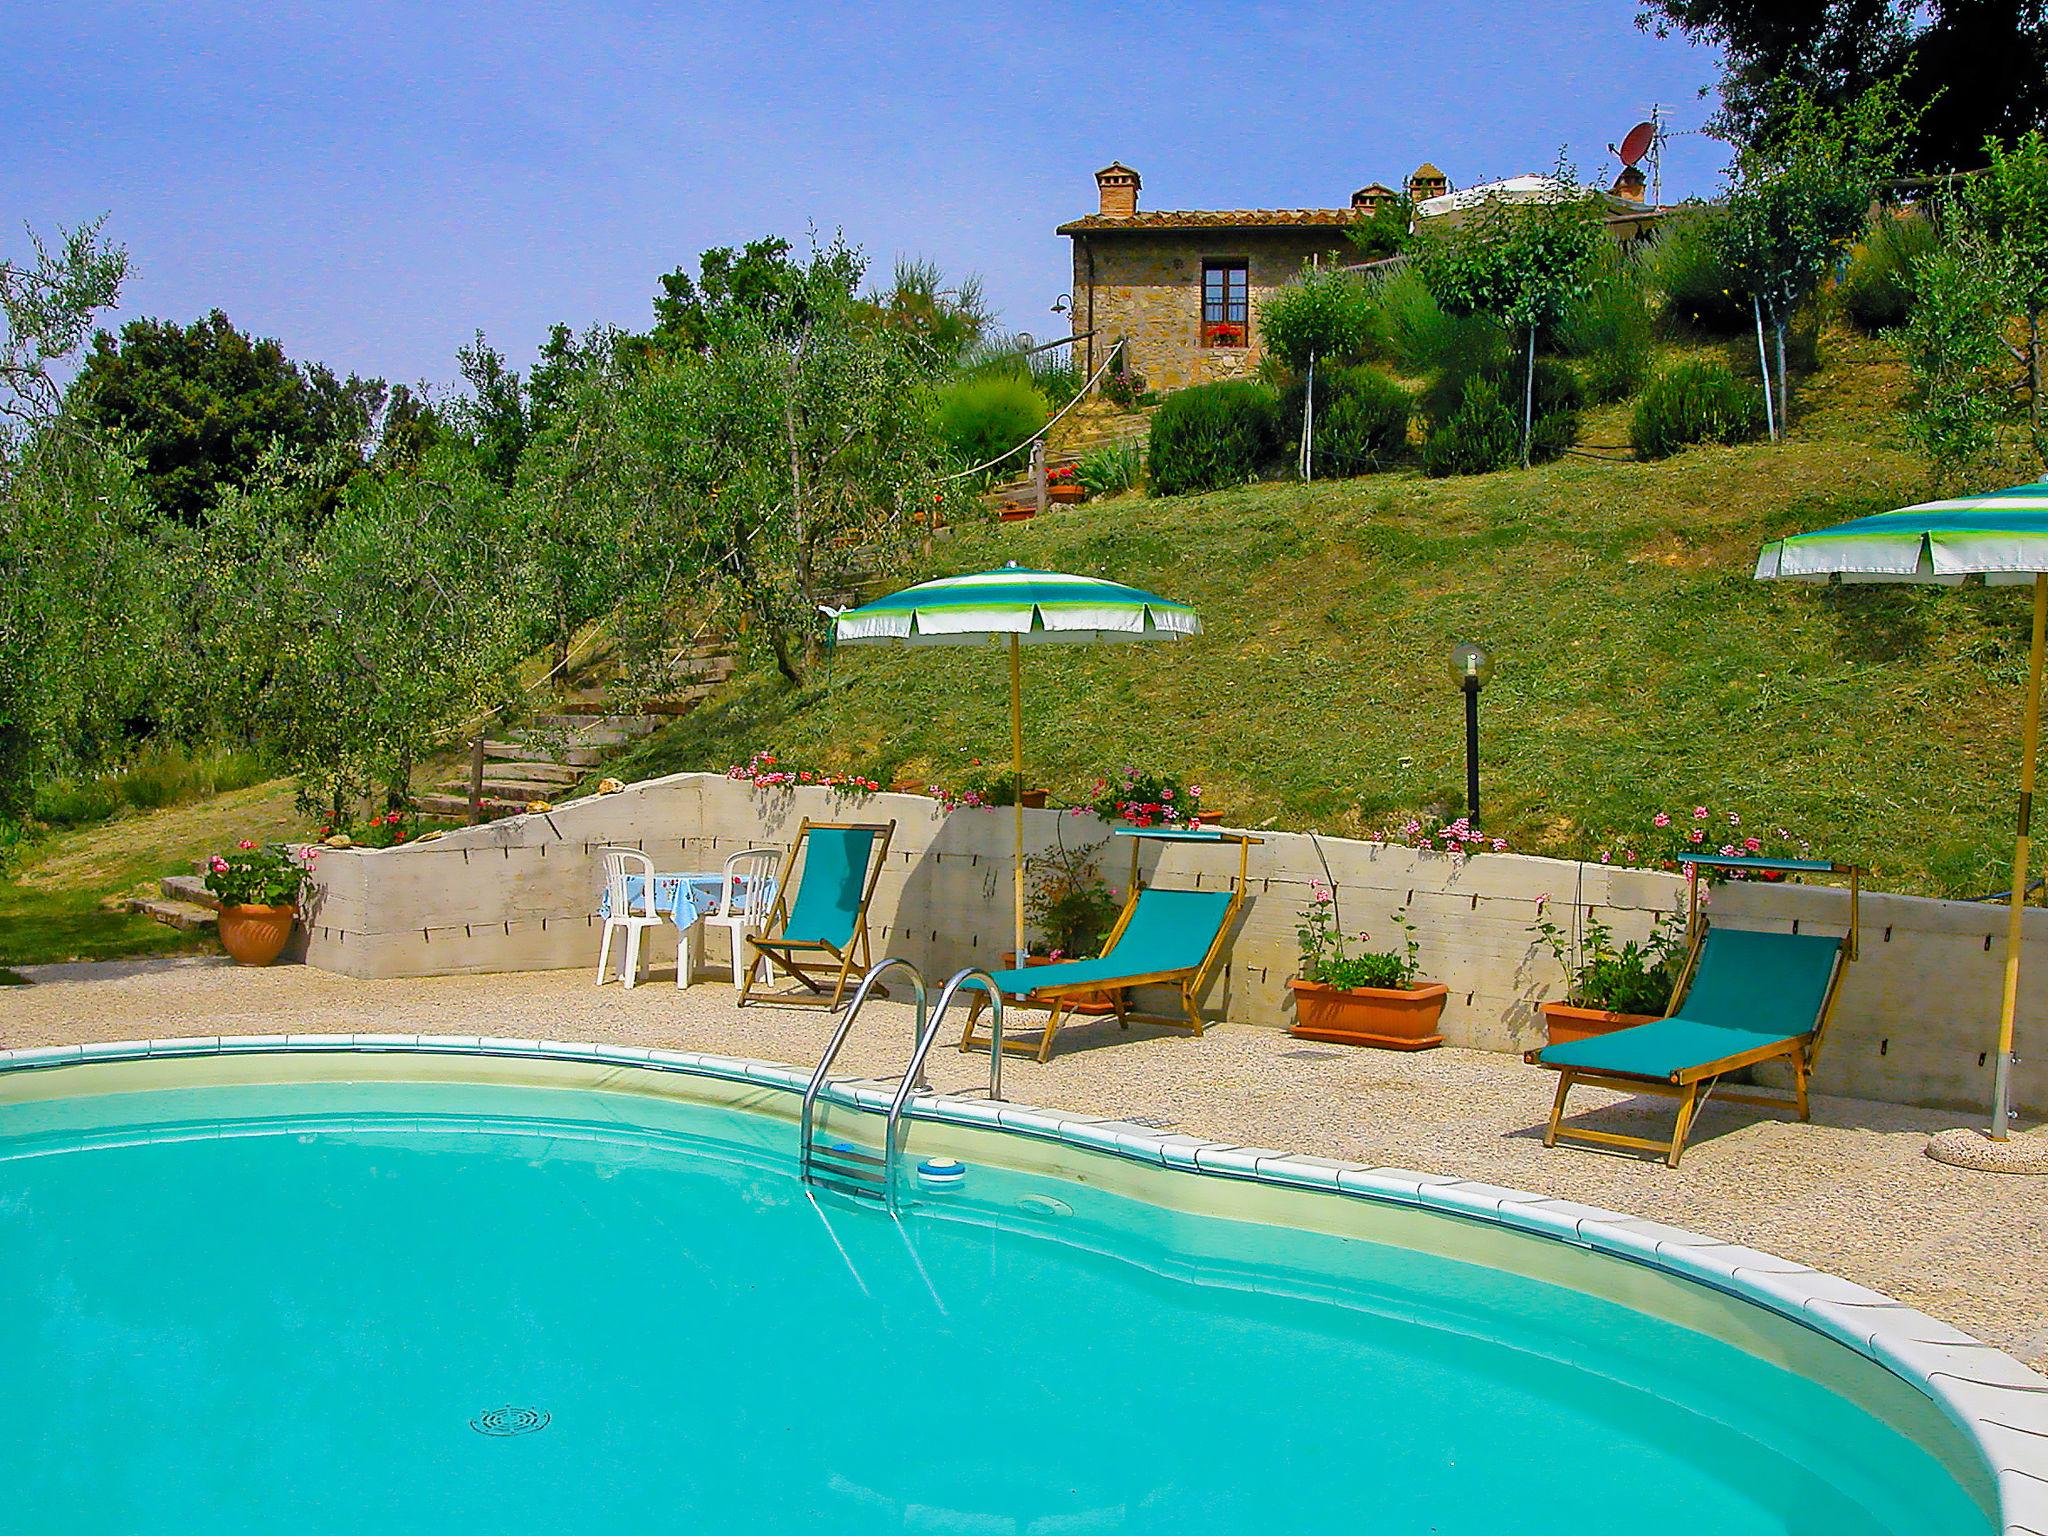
point(1610, 986)
point(1144, 798)
point(258, 891)
point(983, 787)
point(1064, 485)
point(1371, 998)
point(1072, 908)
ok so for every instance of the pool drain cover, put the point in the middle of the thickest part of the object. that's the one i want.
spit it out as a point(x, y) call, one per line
point(510, 1421)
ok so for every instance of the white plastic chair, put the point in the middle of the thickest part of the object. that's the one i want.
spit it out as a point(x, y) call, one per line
point(621, 865)
point(744, 902)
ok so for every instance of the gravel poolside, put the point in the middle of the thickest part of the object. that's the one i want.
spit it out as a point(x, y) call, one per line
point(1851, 1193)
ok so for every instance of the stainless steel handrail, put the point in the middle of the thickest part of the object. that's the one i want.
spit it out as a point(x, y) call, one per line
point(926, 1036)
point(860, 996)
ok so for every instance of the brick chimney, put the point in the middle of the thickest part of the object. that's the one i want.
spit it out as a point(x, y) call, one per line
point(1117, 185)
point(1630, 184)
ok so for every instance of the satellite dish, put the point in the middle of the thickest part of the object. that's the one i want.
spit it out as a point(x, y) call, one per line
point(1637, 144)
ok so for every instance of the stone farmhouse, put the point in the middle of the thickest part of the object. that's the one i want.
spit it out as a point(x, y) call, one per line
point(1183, 288)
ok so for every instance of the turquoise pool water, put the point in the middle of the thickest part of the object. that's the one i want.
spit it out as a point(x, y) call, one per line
point(321, 1308)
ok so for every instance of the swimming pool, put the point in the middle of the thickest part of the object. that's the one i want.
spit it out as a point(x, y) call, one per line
point(580, 1290)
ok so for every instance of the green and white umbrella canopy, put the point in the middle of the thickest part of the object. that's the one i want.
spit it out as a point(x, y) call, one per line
point(2001, 536)
point(1037, 607)
point(1023, 607)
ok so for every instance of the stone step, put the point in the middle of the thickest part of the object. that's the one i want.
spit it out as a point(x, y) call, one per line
point(189, 888)
point(529, 771)
point(458, 806)
point(510, 790)
point(526, 751)
point(185, 916)
point(597, 727)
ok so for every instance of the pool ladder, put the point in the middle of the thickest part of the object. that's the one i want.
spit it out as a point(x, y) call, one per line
point(852, 1170)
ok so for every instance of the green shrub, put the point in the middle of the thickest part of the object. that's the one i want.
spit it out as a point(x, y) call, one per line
point(1408, 328)
point(1118, 467)
point(1876, 290)
point(1558, 399)
point(1689, 270)
point(1326, 313)
point(1695, 402)
point(1361, 421)
point(1608, 330)
point(1213, 435)
point(1056, 378)
point(982, 417)
point(1484, 433)
point(157, 775)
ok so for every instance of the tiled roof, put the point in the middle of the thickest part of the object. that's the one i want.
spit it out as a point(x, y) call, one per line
point(1242, 218)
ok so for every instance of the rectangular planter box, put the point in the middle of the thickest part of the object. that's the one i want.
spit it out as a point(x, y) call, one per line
point(1393, 1019)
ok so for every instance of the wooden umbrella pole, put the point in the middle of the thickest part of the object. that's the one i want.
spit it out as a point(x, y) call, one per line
point(2001, 1092)
point(1017, 771)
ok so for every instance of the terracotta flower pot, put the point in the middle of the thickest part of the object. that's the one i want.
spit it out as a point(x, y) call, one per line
point(1066, 491)
point(1093, 1006)
point(255, 935)
point(1566, 1023)
point(1034, 799)
point(1392, 1018)
point(1018, 514)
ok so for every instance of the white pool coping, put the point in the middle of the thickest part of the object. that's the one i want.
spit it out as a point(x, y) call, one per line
point(1998, 1402)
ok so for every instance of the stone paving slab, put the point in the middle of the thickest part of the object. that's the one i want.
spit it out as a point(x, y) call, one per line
point(1852, 1193)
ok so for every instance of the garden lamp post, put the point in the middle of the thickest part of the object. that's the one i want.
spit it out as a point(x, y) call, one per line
point(1471, 669)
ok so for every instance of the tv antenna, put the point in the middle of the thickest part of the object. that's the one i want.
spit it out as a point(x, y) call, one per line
point(1645, 140)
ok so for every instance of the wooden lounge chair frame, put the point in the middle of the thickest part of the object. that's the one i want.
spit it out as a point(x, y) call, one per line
point(812, 961)
point(1191, 982)
point(1692, 1086)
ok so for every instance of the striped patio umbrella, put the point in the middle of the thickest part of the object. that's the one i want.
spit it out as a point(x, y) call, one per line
point(1023, 607)
point(2003, 537)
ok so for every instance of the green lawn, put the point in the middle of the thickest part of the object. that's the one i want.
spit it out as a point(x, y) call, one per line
point(58, 904)
point(1640, 666)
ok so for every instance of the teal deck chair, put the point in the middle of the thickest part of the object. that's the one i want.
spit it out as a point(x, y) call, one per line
point(1164, 937)
point(820, 933)
point(1745, 998)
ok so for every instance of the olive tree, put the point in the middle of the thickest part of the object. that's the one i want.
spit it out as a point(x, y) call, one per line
point(1526, 265)
point(1798, 199)
point(790, 448)
point(359, 647)
point(82, 599)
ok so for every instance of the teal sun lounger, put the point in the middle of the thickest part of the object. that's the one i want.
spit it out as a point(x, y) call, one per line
point(1164, 937)
point(1743, 998)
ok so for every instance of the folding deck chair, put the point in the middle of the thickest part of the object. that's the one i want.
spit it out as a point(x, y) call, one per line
point(820, 932)
point(1164, 937)
point(1744, 997)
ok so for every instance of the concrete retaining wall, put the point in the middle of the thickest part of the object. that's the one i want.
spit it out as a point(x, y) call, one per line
point(1915, 1026)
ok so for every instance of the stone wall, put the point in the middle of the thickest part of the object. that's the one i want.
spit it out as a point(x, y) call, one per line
point(1148, 288)
point(1915, 1025)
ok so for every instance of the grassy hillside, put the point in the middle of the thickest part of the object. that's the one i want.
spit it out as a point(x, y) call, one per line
point(1640, 666)
point(62, 903)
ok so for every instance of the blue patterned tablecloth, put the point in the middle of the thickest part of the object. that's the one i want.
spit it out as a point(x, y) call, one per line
point(683, 898)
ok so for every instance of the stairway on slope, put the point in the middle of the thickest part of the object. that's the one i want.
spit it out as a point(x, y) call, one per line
point(556, 749)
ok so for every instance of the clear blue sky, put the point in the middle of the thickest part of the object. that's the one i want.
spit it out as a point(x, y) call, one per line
point(372, 182)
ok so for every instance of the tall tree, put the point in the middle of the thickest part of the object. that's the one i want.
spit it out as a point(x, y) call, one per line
point(950, 320)
point(2005, 219)
point(759, 467)
point(203, 402)
point(1976, 68)
point(761, 282)
point(82, 595)
point(492, 417)
point(1523, 264)
point(1795, 203)
point(355, 647)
